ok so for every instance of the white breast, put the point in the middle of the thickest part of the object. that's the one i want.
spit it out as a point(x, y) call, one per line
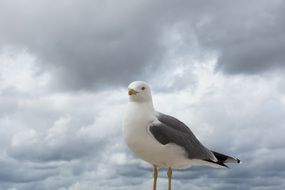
point(135, 130)
point(138, 117)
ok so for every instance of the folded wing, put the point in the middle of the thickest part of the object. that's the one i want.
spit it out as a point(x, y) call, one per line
point(171, 130)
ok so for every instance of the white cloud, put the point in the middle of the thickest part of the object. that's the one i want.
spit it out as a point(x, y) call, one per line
point(27, 137)
point(19, 70)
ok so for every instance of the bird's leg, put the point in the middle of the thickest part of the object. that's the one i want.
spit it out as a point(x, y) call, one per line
point(169, 175)
point(154, 177)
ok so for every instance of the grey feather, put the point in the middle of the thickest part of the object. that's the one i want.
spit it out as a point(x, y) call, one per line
point(171, 130)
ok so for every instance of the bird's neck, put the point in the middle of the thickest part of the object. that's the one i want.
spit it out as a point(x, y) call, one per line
point(146, 106)
point(139, 112)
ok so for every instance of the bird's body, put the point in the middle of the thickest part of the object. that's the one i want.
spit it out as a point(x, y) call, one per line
point(139, 139)
point(162, 140)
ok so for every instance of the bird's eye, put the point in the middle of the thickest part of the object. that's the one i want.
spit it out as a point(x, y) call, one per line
point(143, 88)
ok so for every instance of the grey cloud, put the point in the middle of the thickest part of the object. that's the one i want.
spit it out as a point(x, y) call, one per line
point(68, 149)
point(15, 172)
point(63, 138)
point(247, 35)
point(89, 44)
point(60, 146)
point(8, 105)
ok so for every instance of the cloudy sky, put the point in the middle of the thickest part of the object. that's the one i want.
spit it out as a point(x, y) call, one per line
point(219, 66)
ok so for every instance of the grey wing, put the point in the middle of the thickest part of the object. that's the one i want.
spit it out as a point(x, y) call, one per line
point(171, 130)
point(172, 122)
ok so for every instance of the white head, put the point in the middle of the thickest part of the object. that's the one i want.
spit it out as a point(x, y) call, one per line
point(139, 91)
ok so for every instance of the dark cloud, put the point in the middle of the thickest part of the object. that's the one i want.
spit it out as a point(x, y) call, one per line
point(68, 149)
point(91, 44)
point(88, 44)
point(15, 172)
point(247, 35)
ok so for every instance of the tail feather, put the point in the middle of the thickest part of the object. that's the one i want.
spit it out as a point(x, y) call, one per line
point(222, 159)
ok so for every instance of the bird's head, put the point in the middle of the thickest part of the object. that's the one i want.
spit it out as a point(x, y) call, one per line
point(139, 91)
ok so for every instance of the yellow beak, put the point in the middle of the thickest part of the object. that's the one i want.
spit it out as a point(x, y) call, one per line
point(132, 91)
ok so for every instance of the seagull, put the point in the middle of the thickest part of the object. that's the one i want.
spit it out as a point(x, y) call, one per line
point(162, 140)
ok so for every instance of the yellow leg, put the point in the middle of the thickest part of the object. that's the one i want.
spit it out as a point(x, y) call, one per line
point(169, 175)
point(154, 177)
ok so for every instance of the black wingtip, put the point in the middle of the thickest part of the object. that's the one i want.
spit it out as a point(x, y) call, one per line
point(226, 159)
point(218, 163)
point(238, 161)
point(224, 165)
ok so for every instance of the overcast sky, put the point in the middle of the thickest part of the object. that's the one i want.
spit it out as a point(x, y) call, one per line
point(218, 66)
